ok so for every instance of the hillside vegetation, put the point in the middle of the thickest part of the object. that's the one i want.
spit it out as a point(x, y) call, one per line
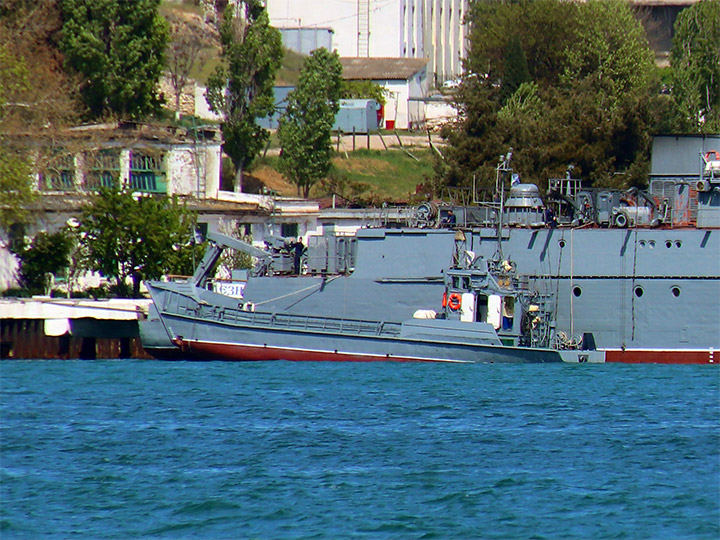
point(363, 177)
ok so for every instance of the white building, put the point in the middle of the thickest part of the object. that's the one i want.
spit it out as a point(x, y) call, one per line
point(404, 79)
point(430, 29)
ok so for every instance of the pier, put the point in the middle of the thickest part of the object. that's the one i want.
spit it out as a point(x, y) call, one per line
point(59, 328)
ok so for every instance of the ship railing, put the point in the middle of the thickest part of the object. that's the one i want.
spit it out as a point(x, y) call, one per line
point(186, 306)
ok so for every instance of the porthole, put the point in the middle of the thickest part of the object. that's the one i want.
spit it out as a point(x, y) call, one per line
point(675, 291)
point(577, 291)
point(668, 244)
point(678, 243)
point(642, 243)
point(651, 243)
point(561, 243)
point(639, 292)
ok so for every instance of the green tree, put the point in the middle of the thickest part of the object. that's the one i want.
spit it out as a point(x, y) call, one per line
point(118, 47)
point(610, 49)
point(241, 88)
point(305, 129)
point(515, 70)
point(124, 237)
point(49, 253)
point(695, 61)
point(37, 99)
point(363, 89)
point(589, 102)
point(16, 191)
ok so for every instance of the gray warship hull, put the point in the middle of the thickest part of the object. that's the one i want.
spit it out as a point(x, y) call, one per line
point(647, 295)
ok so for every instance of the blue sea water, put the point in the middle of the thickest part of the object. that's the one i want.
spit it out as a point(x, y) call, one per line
point(145, 449)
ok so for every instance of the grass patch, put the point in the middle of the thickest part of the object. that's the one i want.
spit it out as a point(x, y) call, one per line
point(391, 175)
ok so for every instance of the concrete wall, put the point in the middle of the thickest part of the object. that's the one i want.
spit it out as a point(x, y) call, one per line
point(194, 170)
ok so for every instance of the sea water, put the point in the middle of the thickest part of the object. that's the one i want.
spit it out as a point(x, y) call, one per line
point(146, 449)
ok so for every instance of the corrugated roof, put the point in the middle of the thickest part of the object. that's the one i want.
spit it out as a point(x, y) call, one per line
point(398, 69)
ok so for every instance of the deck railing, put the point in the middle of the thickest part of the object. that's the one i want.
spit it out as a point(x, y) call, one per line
point(182, 305)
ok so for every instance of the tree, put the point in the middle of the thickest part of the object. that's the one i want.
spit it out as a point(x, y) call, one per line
point(118, 47)
point(695, 61)
point(15, 188)
point(610, 49)
point(49, 253)
point(36, 100)
point(124, 237)
point(363, 89)
point(588, 103)
point(185, 45)
point(241, 88)
point(515, 70)
point(305, 129)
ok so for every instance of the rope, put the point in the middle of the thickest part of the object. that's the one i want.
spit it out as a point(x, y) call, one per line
point(319, 285)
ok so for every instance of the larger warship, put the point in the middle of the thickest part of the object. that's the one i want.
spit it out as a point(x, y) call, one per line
point(624, 276)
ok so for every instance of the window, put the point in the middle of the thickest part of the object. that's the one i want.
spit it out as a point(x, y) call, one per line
point(288, 229)
point(103, 169)
point(147, 173)
point(59, 175)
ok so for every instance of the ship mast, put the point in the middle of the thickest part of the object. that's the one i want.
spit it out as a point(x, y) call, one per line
point(502, 171)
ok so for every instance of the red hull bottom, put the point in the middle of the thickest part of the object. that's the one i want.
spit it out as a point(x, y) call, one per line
point(250, 353)
point(630, 356)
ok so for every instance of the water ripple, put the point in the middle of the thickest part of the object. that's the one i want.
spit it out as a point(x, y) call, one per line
point(132, 449)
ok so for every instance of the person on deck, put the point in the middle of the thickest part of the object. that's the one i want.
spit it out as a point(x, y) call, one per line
point(450, 221)
point(298, 249)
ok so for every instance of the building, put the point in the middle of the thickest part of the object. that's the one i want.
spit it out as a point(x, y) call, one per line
point(404, 79)
point(149, 159)
point(658, 18)
point(432, 29)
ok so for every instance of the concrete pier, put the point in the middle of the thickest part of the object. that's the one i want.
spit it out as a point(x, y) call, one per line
point(46, 328)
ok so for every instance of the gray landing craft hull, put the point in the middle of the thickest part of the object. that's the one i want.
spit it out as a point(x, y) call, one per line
point(206, 333)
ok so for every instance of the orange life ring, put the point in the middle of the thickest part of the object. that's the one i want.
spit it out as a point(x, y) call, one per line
point(454, 301)
point(712, 155)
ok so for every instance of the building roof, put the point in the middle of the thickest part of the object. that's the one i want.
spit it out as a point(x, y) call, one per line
point(397, 69)
point(652, 3)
